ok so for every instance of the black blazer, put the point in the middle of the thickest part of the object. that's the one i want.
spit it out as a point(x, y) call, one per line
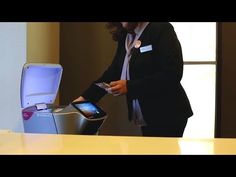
point(154, 75)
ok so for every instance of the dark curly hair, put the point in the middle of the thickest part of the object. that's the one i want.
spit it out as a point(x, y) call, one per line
point(116, 29)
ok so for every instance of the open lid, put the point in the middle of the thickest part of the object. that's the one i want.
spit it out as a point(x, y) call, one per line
point(39, 83)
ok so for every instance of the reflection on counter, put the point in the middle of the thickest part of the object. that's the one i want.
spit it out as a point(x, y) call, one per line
point(190, 146)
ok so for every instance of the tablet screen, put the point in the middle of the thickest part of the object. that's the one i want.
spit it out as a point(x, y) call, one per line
point(89, 109)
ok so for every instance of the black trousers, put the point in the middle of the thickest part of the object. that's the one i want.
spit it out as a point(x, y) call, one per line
point(173, 128)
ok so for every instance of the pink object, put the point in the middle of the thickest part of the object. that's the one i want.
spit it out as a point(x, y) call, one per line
point(28, 112)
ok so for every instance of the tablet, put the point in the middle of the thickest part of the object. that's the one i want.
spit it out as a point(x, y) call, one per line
point(89, 109)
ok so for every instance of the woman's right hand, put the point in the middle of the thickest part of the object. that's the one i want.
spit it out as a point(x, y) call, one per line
point(80, 99)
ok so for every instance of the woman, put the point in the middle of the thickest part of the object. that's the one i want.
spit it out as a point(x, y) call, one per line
point(147, 68)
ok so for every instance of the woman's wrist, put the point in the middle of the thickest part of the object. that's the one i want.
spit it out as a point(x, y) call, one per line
point(80, 99)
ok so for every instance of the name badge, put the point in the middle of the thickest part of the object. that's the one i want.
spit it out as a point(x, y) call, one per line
point(146, 48)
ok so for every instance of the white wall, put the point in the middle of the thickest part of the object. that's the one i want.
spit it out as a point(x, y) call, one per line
point(12, 59)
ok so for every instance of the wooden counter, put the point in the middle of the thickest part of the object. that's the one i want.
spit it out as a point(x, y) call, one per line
point(22, 143)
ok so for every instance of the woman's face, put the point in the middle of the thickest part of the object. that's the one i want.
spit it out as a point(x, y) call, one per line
point(124, 24)
point(129, 26)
